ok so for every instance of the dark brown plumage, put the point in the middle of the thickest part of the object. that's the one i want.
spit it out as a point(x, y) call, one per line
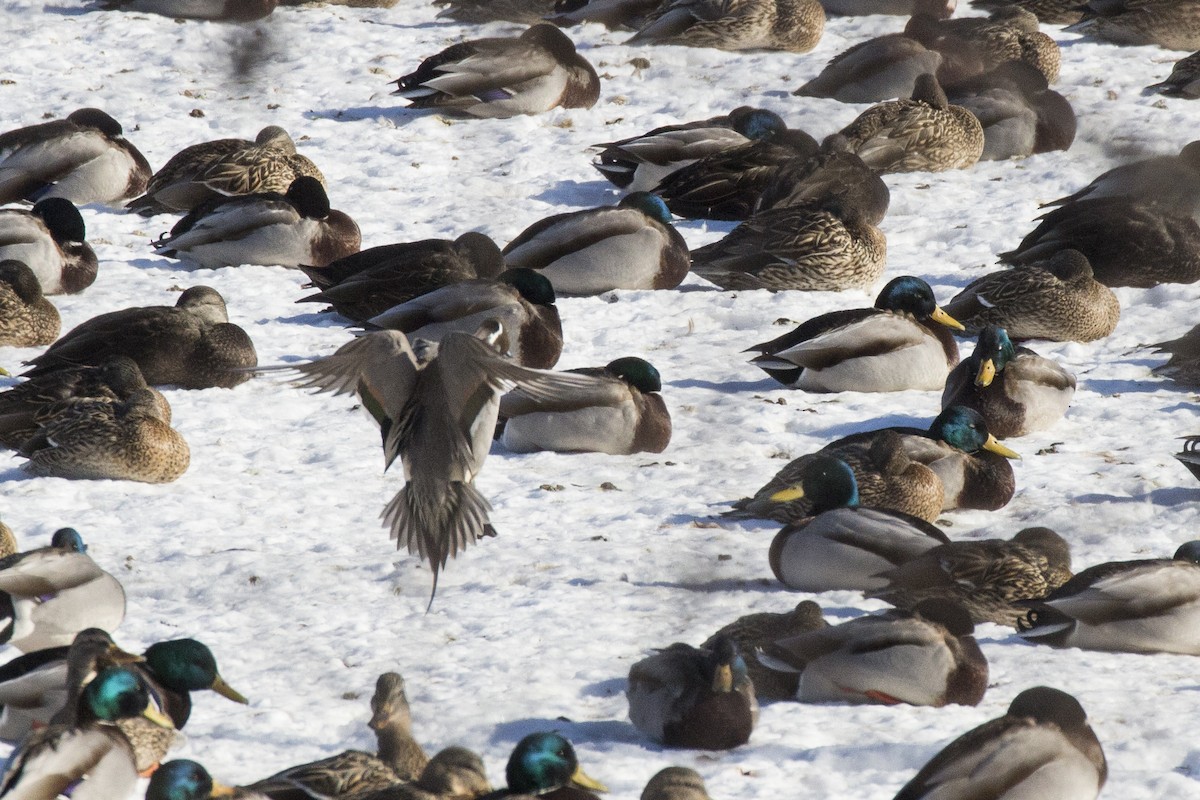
point(753, 631)
point(1184, 364)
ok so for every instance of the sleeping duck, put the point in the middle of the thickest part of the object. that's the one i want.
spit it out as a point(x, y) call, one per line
point(27, 318)
point(901, 343)
point(1016, 391)
point(1184, 80)
point(834, 171)
point(51, 239)
point(794, 26)
point(535, 72)
point(1173, 24)
point(1143, 606)
point(631, 245)
point(1170, 182)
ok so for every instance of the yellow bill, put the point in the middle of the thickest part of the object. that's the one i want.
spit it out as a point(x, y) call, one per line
point(225, 690)
point(156, 715)
point(585, 781)
point(787, 495)
point(723, 679)
point(994, 446)
point(939, 315)
point(986, 374)
point(221, 790)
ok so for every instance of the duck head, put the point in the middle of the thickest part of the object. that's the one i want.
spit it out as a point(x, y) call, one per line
point(992, 352)
point(649, 204)
point(756, 123)
point(95, 118)
point(186, 665)
point(62, 219)
point(964, 428)
point(308, 196)
point(68, 539)
point(184, 780)
point(913, 295)
point(826, 481)
point(530, 284)
point(1188, 551)
point(637, 372)
point(542, 762)
point(116, 693)
point(726, 665)
point(389, 704)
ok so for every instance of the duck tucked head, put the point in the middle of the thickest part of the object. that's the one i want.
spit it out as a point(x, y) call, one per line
point(827, 482)
point(186, 665)
point(649, 204)
point(95, 118)
point(68, 539)
point(756, 123)
point(913, 295)
point(180, 780)
point(530, 284)
point(947, 613)
point(542, 762)
point(308, 196)
point(1188, 551)
point(1049, 705)
point(21, 279)
point(964, 428)
point(637, 372)
point(116, 693)
point(992, 352)
point(62, 219)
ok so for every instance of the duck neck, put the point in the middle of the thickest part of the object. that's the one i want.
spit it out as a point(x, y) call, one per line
point(396, 745)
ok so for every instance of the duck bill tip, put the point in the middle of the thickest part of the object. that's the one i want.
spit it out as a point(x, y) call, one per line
point(994, 446)
point(939, 315)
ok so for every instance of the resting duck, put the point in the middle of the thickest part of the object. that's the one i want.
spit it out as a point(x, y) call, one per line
point(129, 440)
point(500, 78)
point(1173, 24)
point(901, 343)
point(1184, 364)
point(622, 413)
point(522, 300)
point(1007, 34)
point(640, 163)
point(526, 12)
point(815, 246)
point(1168, 182)
point(1059, 300)
point(675, 783)
point(854, 8)
point(84, 158)
point(1016, 391)
point(371, 281)
point(287, 230)
point(192, 344)
point(222, 10)
point(928, 657)
point(611, 13)
point(354, 772)
point(987, 577)
point(210, 170)
point(1144, 606)
point(835, 172)
point(51, 240)
point(545, 765)
point(1127, 242)
point(1042, 747)
point(921, 134)
point(793, 26)
point(27, 318)
point(87, 757)
point(454, 390)
point(631, 245)
point(844, 546)
point(885, 474)
point(754, 631)
point(1048, 12)
point(50, 594)
point(1184, 80)
point(691, 697)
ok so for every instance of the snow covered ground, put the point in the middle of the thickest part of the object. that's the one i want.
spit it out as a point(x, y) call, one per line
point(270, 549)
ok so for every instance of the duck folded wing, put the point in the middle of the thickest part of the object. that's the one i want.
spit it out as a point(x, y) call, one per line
point(49, 573)
point(446, 304)
point(229, 221)
point(38, 163)
point(555, 237)
point(495, 70)
point(1145, 591)
point(875, 335)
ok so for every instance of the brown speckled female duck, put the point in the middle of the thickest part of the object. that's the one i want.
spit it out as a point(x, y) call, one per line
point(1173, 24)
point(27, 318)
point(793, 26)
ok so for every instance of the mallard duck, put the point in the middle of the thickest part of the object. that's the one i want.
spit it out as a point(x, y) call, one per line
point(640, 163)
point(1184, 80)
point(1020, 114)
point(51, 240)
point(84, 158)
point(612, 13)
point(1184, 364)
point(106, 439)
point(191, 344)
point(50, 594)
point(172, 670)
point(206, 171)
point(885, 474)
point(921, 134)
point(850, 8)
point(186, 780)
point(1042, 747)
point(1128, 243)
point(1016, 391)
point(454, 773)
point(8, 542)
point(371, 281)
point(698, 698)
point(834, 171)
point(268, 228)
point(1048, 12)
point(455, 394)
point(727, 185)
point(226, 10)
point(843, 546)
point(352, 772)
point(622, 413)
point(754, 631)
point(901, 343)
point(87, 757)
point(675, 783)
point(928, 657)
point(545, 765)
point(815, 245)
point(1173, 24)
point(535, 72)
point(1170, 182)
point(522, 300)
point(1058, 300)
point(1144, 606)
point(794, 26)
point(987, 577)
point(873, 71)
point(1189, 456)
point(631, 245)
point(37, 686)
point(27, 318)
point(1008, 33)
point(23, 406)
point(526, 12)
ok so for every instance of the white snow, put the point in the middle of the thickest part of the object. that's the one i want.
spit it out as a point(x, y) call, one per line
point(270, 548)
